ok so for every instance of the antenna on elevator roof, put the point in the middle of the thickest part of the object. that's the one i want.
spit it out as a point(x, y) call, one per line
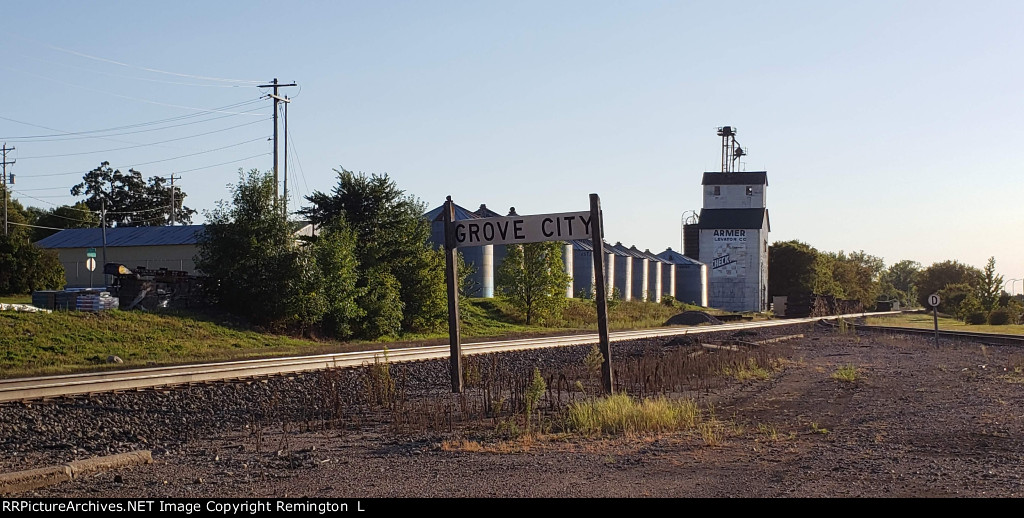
point(731, 150)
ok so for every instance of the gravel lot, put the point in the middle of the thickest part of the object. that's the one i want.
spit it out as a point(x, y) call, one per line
point(917, 422)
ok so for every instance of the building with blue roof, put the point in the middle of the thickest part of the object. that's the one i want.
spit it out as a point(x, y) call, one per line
point(153, 248)
point(170, 247)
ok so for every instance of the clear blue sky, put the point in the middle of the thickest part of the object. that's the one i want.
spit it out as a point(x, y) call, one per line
point(884, 126)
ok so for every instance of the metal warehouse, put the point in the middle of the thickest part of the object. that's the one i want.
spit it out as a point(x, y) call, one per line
point(151, 247)
point(170, 247)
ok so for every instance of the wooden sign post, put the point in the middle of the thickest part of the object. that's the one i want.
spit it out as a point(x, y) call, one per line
point(451, 276)
point(504, 230)
point(600, 293)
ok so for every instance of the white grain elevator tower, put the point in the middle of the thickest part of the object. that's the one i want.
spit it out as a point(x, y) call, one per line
point(731, 233)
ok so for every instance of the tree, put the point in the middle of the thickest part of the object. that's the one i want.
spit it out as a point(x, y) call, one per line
point(334, 253)
point(898, 281)
point(66, 216)
point(25, 268)
point(258, 270)
point(939, 275)
point(797, 267)
point(18, 218)
point(857, 275)
point(393, 242)
point(792, 266)
point(245, 250)
point(990, 286)
point(532, 278)
point(130, 200)
point(953, 296)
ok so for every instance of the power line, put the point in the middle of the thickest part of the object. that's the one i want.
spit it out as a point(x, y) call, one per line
point(201, 152)
point(142, 145)
point(35, 226)
point(69, 134)
point(224, 163)
point(45, 189)
point(105, 137)
point(157, 161)
point(105, 92)
point(121, 76)
point(154, 70)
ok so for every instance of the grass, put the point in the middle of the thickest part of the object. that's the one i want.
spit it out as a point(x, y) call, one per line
point(15, 299)
point(43, 343)
point(926, 321)
point(471, 446)
point(64, 342)
point(621, 414)
point(751, 370)
point(847, 373)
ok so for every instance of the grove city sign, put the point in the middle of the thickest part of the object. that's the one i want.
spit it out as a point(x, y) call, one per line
point(505, 230)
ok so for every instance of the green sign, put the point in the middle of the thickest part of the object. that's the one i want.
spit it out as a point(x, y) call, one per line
point(90, 252)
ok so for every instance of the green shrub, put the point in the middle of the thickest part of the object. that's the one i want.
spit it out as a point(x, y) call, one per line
point(999, 317)
point(976, 318)
point(25, 267)
point(381, 305)
point(1014, 309)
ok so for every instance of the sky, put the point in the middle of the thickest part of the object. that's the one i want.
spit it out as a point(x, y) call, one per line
point(884, 126)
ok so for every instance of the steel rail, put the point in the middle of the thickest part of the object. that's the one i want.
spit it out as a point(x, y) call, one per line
point(985, 338)
point(27, 389)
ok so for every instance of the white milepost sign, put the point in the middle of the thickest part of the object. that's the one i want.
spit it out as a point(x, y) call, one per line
point(934, 300)
point(90, 264)
point(522, 229)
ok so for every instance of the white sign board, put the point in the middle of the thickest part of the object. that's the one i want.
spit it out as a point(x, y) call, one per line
point(730, 258)
point(934, 300)
point(90, 264)
point(522, 229)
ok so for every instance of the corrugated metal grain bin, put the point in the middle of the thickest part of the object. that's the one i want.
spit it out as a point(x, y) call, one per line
point(654, 276)
point(623, 273)
point(480, 258)
point(691, 278)
point(639, 271)
point(582, 269)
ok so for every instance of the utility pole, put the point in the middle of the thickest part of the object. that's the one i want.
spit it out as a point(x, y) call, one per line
point(5, 163)
point(285, 201)
point(172, 198)
point(103, 225)
point(275, 85)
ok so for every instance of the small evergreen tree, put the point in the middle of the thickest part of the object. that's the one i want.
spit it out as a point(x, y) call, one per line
point(991, 286)
point(392, 238)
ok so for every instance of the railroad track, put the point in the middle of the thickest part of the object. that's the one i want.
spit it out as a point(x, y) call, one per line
point(28, 389)
point(983, 338)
